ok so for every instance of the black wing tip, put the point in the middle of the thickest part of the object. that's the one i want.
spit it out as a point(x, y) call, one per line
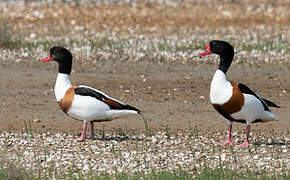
point(276, 106)
point(270, 103)
point(128, 107)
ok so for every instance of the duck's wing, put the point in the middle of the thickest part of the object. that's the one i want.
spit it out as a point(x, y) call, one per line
point(246, 90)
point(99, 95)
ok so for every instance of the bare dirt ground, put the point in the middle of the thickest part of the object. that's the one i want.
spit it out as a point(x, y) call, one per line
point(170, 94)
point(173, 95)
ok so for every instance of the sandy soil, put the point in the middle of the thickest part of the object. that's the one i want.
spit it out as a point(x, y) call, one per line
point(173, 95)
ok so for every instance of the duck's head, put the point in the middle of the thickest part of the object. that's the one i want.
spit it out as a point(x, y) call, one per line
point(218, 47)
point(62, 56)
point(222, 48)
point(58, 54)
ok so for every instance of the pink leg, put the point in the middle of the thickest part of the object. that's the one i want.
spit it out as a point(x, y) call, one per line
point(246, 143)
point(83, 135)
point(229, 141)
point(92, 130)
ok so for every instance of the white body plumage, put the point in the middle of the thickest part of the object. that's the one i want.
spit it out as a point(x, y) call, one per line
point(221, 92)
point(87, 108)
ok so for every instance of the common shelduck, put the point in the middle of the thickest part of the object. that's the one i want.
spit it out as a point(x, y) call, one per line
point(235, 101)
point(82, 102)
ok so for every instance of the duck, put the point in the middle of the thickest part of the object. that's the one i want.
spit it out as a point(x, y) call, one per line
point(236, 102)
point(82, 102)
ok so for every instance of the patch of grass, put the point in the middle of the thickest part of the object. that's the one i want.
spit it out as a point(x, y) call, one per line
point(264, 45)
point(205, 174)
point(12, 172)
point(120, 132)
point(193, 132)
point(7, 40)
point(163, 46)
point(167, 132)
point(148, 130)
point(224, 173)
point(185, 47)
point(179, 47)
point(28, 129)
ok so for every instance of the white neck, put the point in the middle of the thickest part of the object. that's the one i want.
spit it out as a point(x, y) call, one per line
point(221, 89)
point(62, 85)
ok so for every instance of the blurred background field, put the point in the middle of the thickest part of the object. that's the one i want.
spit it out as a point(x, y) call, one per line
point(141, 52)
point(136, 30)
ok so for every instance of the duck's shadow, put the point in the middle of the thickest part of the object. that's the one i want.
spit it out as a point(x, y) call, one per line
point(118, 139)
point(260, 143)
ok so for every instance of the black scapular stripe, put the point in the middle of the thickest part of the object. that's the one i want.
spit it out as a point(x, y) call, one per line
point(83, 91)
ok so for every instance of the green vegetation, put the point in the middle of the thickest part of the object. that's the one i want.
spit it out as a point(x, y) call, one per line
point(13, 40)
point(148, 130)
point(12, 172)
point(193, 132)
point(15, 170)
point(6, 37)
